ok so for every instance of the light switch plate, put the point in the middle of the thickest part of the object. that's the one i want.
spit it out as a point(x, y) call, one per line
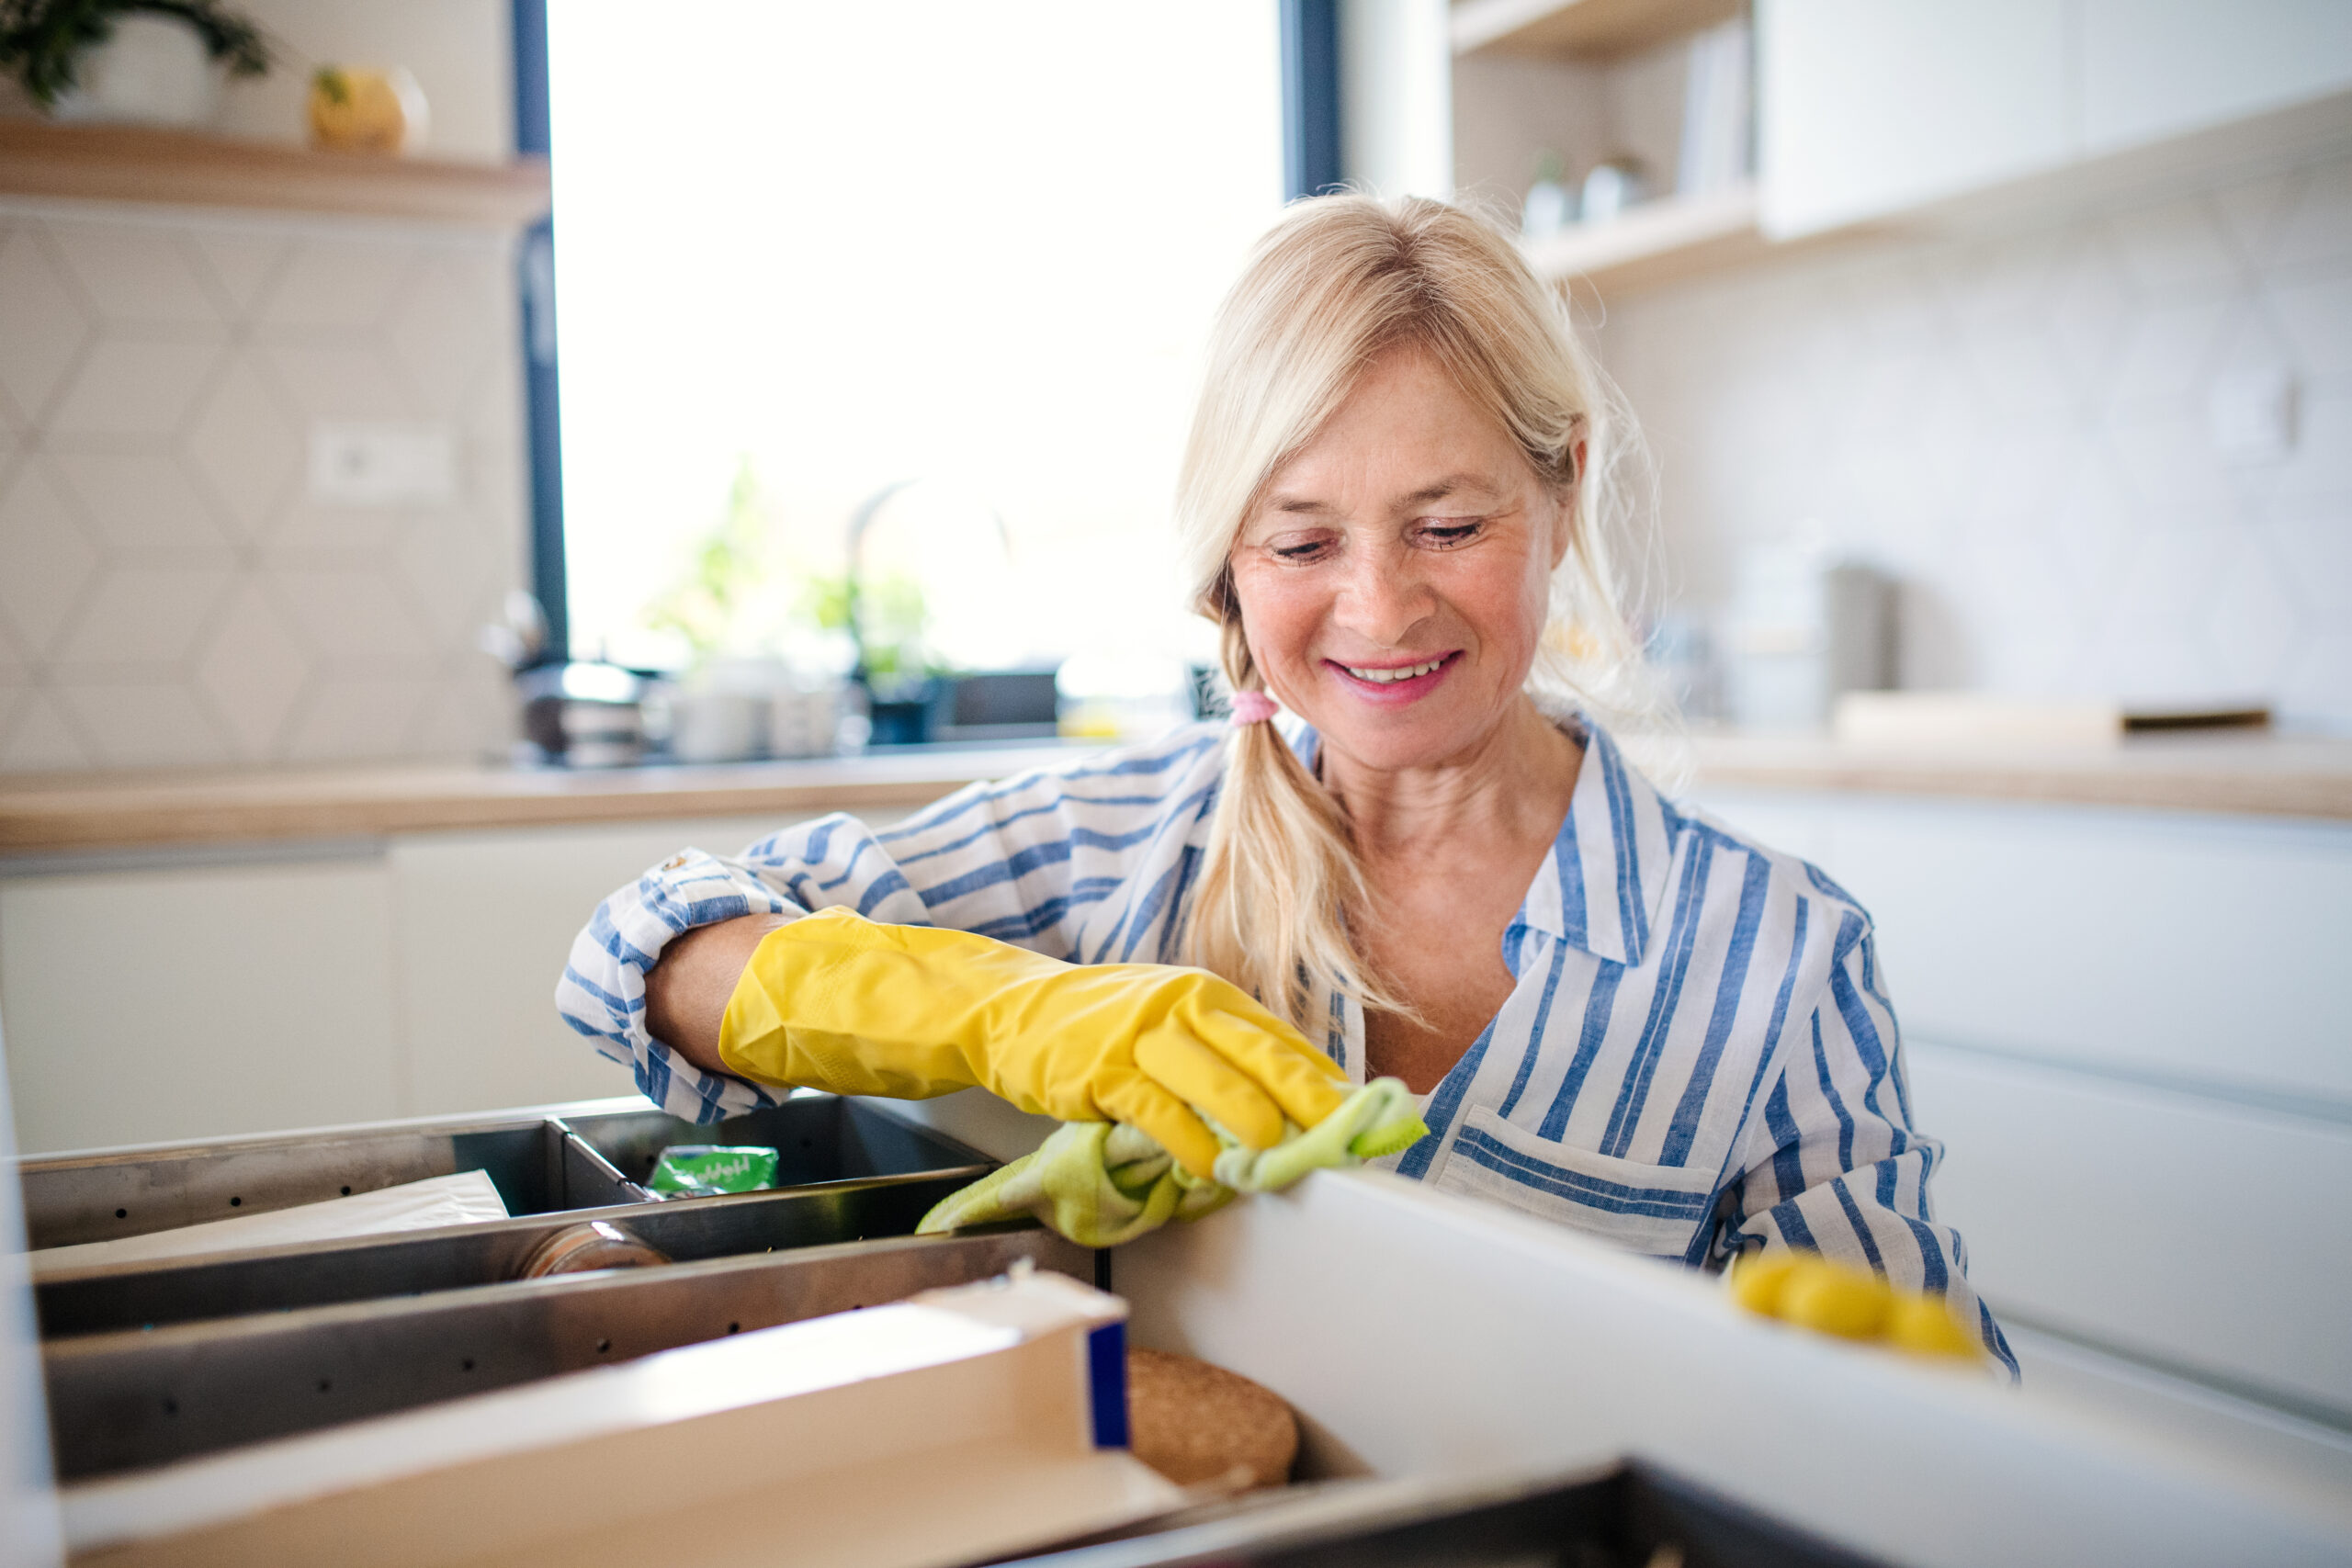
point(2251, 416)
point(382, 463)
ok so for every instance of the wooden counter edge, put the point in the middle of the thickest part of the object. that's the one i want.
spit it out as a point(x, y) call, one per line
point(2322, 795)
point(143, 824)
point(63, 818)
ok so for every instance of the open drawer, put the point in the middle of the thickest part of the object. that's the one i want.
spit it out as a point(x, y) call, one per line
point(136, 1398)
point(850, 1170)
point(150, 1361)
point(586, 1156)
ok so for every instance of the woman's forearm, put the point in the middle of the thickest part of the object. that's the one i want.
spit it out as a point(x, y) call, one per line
point(686, 992)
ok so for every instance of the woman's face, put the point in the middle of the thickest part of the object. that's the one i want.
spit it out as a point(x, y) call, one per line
point(1393, 576)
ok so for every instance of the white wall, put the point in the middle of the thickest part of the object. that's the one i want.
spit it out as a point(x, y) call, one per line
point(168, 595)
point(2014, 423)
point(1396, 96)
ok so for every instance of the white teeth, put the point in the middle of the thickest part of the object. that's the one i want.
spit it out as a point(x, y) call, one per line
point(1382, 677)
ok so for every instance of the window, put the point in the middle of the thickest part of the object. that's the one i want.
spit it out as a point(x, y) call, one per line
point(810, 251)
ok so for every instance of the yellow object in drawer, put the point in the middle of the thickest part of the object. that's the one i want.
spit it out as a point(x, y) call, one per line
point(1812, 1291)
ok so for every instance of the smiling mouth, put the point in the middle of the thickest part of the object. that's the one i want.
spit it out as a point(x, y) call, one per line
point(1399, 672)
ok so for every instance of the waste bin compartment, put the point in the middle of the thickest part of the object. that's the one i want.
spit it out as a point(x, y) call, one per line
point(276, 1279)
point(136, 1398)
point(553, 1160)
point(817, 1137)
point(103, 1195)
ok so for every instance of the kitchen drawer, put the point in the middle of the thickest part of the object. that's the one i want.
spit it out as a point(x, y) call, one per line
point(2209, 1237)
point(143, 1396)
point(182, 1002)
point(2200, 952)
point(850, 1170)
point(151, 1360)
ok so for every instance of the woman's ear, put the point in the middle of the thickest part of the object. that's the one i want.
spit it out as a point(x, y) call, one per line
point(1564, 523)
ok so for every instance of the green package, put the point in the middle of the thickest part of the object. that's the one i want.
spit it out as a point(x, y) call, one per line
point(706, 1171)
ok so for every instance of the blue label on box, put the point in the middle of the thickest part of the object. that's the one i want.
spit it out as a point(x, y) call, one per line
point(1106, 1366)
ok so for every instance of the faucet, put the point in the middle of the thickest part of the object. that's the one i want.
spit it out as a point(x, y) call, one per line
point(860, 520)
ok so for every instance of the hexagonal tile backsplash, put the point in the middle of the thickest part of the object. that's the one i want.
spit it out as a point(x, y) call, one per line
point(2015, 426)
point(168, 596)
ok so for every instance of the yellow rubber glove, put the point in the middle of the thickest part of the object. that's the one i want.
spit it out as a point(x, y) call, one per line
point(834, 1001)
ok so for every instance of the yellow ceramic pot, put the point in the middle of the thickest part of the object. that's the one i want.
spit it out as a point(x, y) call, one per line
point(355, 109)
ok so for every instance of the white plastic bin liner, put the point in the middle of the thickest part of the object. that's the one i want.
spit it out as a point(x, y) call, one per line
point(455, 1200)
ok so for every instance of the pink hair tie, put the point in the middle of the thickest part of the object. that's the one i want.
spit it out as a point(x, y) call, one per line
point(1252, 707)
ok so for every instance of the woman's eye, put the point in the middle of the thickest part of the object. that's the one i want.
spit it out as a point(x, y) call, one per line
point(1310, 550)
point(1442, 534)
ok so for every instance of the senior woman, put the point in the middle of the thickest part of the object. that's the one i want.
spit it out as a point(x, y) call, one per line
point(1625, 1017)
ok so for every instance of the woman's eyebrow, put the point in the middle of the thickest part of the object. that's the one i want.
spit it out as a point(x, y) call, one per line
point(1437, 489)
point(1450, 484)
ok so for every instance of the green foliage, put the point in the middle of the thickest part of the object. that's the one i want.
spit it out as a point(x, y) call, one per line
point(42, 40)
point(725, 571)
point(743, 589)
point(826, 603)
point(893, 617)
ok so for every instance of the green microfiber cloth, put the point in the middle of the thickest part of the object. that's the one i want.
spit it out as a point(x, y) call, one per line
point(1102, 1183)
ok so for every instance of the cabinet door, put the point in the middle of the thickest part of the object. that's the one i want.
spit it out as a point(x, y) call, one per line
point(148, 1006)
point(2155, 68)
point(2210, 1236)
point(484, 922)
point(2192, 949)
point(1866, 108)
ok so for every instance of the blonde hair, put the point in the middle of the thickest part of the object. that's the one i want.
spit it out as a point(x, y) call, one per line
point(1339, 281)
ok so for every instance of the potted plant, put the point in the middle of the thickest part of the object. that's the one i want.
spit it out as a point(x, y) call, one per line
point(153, 61)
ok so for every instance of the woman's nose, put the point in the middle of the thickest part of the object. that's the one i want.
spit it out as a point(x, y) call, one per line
point(1384, 597)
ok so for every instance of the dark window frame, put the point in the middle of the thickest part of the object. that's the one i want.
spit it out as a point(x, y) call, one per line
point(535, 281)
point(1310, 50)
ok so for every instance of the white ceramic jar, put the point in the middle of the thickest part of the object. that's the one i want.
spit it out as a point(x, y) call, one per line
point(154, 70)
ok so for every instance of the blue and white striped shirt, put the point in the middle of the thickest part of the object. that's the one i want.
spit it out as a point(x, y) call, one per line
point(1699, 1055)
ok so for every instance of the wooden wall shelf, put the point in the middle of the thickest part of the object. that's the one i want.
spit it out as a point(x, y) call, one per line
point(1657, 241)
point(1580, 30)
point(178, 168)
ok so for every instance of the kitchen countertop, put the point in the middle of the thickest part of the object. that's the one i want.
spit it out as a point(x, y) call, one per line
point(2257, 774)
point(2254, 771)
point(48, 812)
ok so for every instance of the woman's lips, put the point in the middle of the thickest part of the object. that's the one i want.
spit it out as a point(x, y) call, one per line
point(1397, 688)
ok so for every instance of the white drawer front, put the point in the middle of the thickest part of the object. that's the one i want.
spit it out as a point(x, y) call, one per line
point(2210, 951)
point(2199, 1232)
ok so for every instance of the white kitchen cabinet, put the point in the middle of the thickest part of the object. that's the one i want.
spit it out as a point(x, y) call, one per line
point(1865, 107)
point(2200, 952)
point(175, 1003)
point(2154, 68)
point(150, 1000)
point(483, 924)
point(2127, 1027)
point(2193, 1233)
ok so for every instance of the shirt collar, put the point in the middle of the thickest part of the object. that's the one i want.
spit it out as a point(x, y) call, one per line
point(1604, 882)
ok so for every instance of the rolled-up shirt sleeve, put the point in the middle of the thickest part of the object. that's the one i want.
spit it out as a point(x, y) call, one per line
point(832, 861)
point(1027, 860)
point(602, 993)
point(1844, 1172)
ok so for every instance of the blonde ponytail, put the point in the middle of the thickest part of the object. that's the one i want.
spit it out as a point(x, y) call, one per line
point(1279, 890)
point(1280, 905)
